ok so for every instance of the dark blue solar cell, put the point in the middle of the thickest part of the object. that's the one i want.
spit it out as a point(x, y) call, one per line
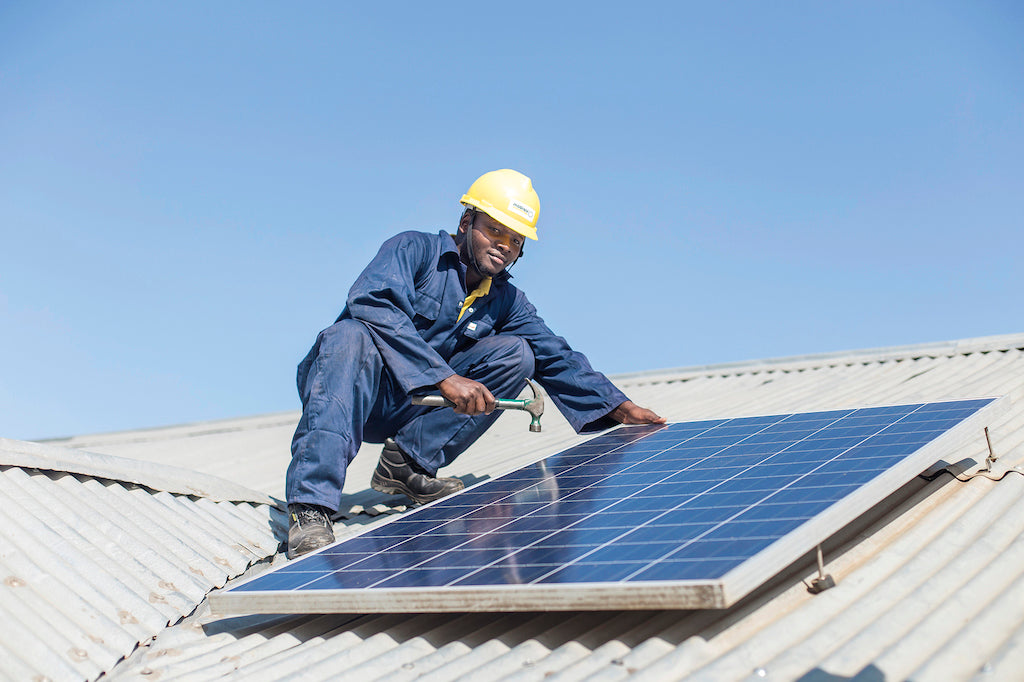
point(689, 569)
point(608, 493)
point(640, 479)
point(278, 581)
point(647, 503)
point(537, 523)
point(464, 557)
point(325, 561)
point(743, 527)
point(593, 572)
point(420, 577)
point(676, 532)
point(631, 552)
point(346, 580)
point(578, 535)
point(367, 544)
point(750, 484)
point(772, 510)
point(394, 558)
point(883, 454)
point(555, 555)
point(691, 514)
point(505, 574)
point(611, 518)
point(803, 459)
point(811, 497)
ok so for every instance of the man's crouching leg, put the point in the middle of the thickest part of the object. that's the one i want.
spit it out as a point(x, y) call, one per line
point(338, 383)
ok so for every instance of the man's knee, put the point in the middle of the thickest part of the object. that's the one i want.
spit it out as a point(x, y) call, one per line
point(520, 351)
point(504, 354)
point(350, 337)
point(343, 346)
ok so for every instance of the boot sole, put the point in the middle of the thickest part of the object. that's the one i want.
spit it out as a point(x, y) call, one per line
point(308, 545)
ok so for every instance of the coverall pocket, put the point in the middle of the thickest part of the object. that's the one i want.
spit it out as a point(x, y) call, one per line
point(426, 306)
point(477, 329)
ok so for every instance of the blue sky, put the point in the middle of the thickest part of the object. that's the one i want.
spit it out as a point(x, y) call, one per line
point(188, 189)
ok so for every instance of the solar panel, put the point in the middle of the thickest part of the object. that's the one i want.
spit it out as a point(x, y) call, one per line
point(684, 515)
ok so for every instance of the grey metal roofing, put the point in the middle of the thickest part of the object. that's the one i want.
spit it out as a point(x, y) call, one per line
point(929, 583)
point(100, 554)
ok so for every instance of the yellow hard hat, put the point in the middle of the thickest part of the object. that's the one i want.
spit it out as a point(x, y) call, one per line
point(508, 197)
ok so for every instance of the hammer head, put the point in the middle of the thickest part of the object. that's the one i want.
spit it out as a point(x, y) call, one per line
point(535, 406)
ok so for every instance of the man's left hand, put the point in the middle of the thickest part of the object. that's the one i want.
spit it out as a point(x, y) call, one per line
point(631, 413)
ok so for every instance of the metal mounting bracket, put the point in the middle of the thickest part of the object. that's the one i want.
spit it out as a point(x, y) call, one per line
point(964, 470)
point(824, 581)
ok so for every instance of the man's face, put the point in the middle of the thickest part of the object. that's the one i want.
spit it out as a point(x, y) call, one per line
point(494, 246)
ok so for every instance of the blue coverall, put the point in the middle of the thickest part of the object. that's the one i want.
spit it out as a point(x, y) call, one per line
point(400, 334)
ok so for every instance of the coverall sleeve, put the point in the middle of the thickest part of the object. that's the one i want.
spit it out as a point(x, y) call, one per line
point(583, 395)
point(385, 299)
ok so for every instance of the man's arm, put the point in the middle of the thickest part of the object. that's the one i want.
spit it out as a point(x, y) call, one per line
point(586, 397)
point(384, 298)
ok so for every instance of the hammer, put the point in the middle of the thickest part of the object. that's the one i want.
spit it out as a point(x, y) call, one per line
point(534, 405)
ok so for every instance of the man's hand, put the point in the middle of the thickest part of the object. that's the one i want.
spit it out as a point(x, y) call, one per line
point(631, 413)
point(470, 397)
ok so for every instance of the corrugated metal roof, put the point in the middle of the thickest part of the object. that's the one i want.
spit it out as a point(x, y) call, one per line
point(95, 562)
point(929, 584)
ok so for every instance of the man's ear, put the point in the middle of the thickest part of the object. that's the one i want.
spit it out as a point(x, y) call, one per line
point(465, 221)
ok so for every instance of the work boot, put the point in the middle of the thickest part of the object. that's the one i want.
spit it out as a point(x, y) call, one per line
point(399, 474)
point(310, 528)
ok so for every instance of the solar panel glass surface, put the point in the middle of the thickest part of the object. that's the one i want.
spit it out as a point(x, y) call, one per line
point(639, 504)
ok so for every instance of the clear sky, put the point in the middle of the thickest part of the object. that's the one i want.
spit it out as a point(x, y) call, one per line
point(187, 189)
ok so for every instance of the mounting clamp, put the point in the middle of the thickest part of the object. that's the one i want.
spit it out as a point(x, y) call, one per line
point(824, 581)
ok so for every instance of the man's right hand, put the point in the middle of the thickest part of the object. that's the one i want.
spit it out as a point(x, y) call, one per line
point(470, 397)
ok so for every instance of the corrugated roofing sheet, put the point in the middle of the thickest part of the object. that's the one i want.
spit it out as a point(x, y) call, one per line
point(928, 583)
point(92, 566)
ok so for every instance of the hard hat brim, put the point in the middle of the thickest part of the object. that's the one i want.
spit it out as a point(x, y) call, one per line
point(508, 220)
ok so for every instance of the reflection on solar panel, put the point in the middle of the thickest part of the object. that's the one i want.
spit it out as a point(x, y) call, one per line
point(688, 515)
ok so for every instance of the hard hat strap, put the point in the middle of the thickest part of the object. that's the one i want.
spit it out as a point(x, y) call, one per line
point(469, 241)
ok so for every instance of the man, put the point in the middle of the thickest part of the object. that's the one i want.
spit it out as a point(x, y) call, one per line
point(433, 313)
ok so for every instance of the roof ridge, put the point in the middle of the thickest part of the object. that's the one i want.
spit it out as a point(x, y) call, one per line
point(165, 477)
point(1001, 342)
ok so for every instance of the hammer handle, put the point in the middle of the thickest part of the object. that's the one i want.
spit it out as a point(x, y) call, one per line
point(441, 401)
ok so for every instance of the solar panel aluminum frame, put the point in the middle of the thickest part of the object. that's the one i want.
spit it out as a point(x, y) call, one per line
point(719, 593)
